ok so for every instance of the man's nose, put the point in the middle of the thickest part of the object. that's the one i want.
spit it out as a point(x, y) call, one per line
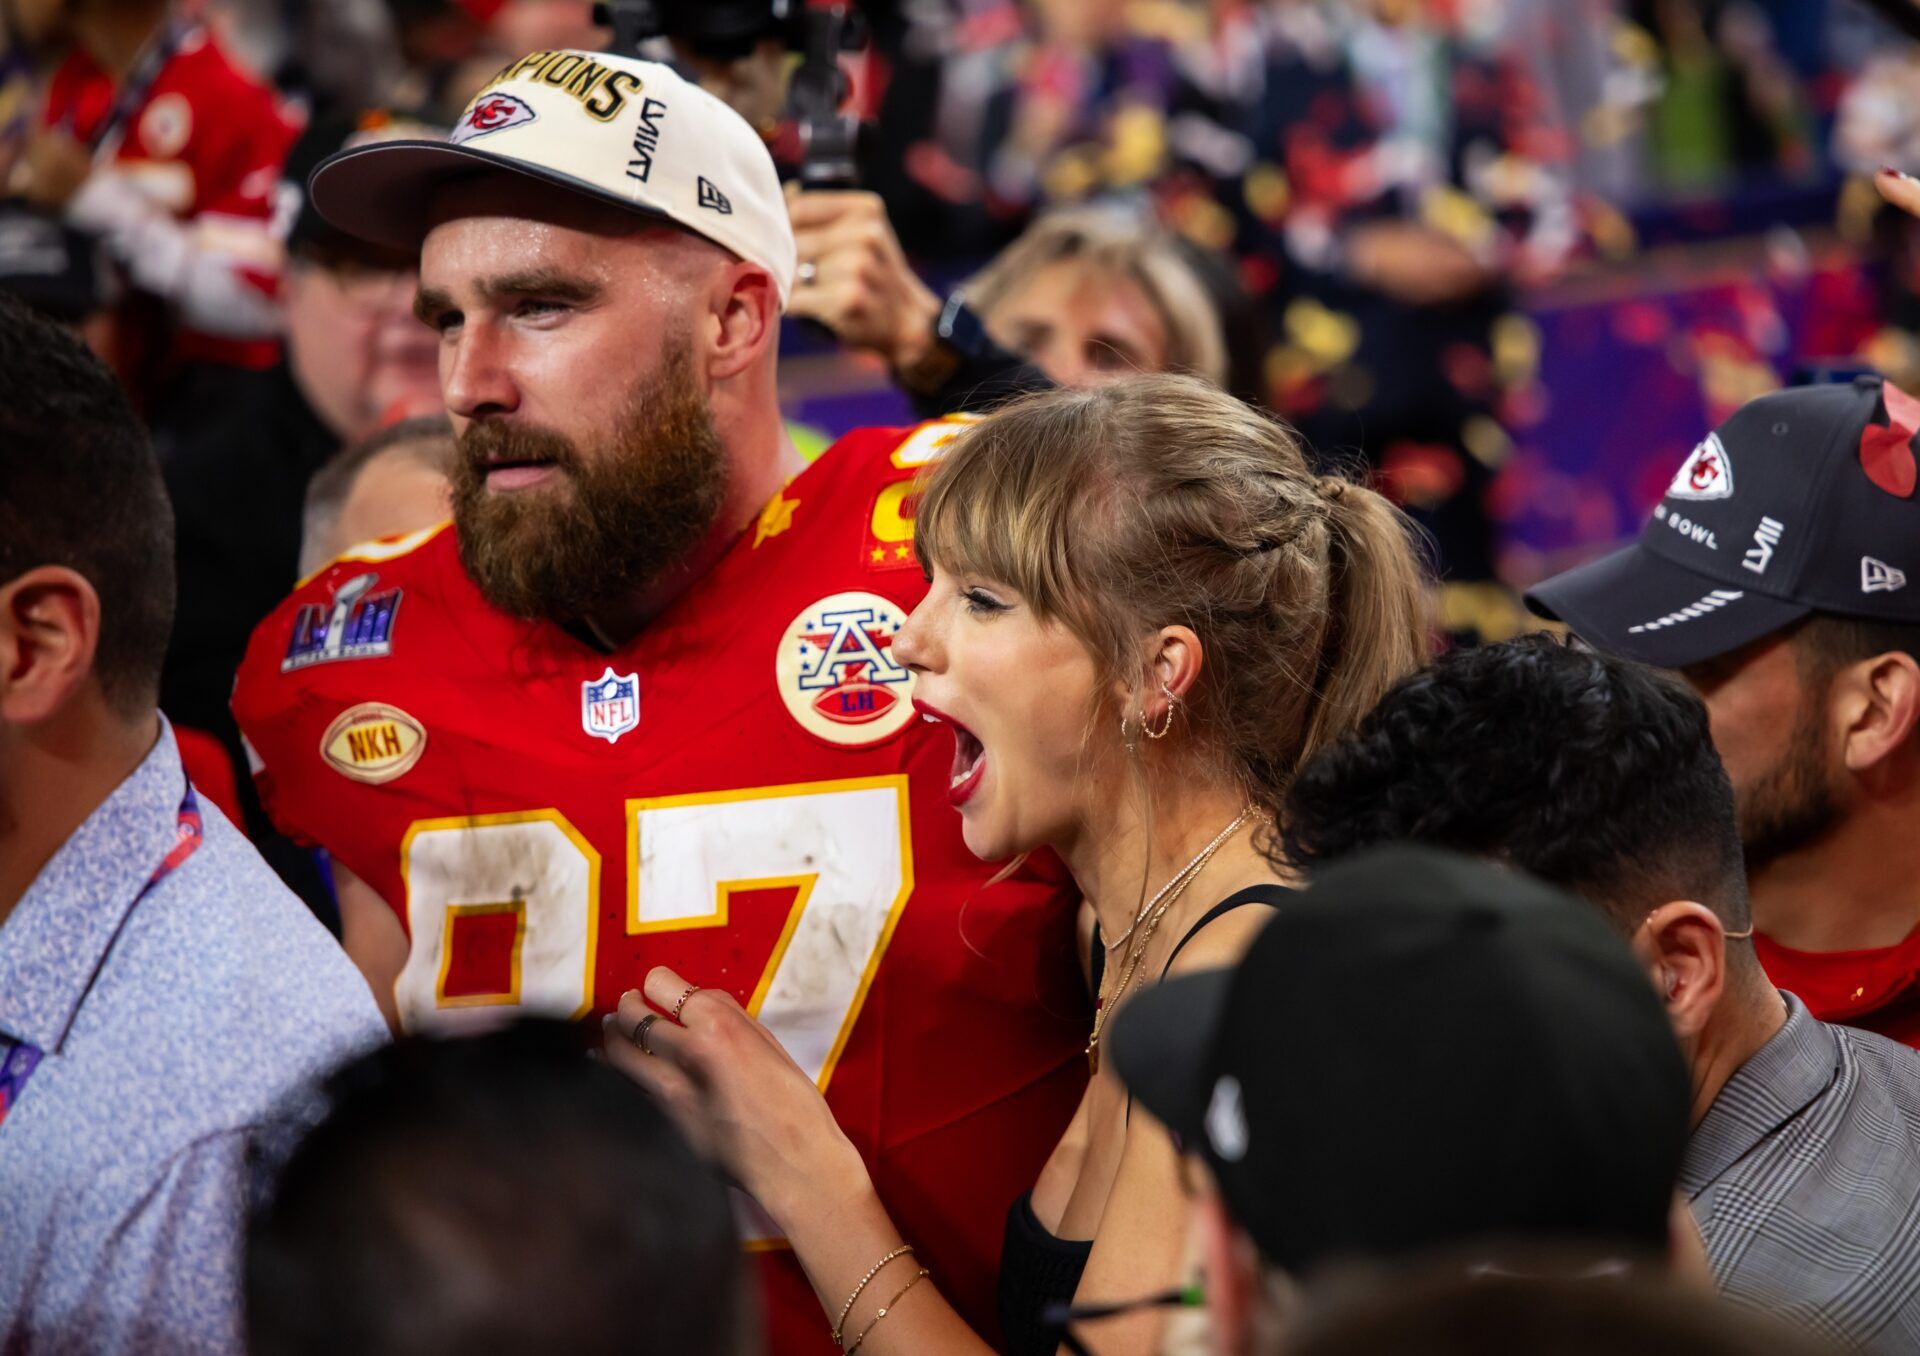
point(475, 377)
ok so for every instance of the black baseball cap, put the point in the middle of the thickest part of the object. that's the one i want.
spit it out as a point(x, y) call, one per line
point(326, 136)
point(1423, 1049)
point(1801, 502)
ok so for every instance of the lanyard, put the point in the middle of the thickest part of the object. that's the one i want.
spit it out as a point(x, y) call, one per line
point(18, 1059)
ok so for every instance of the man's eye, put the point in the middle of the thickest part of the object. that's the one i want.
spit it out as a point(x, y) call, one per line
point(445, 321)
point(532, 307)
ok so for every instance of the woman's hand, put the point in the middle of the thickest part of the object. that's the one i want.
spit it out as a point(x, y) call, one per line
point(737, 1093)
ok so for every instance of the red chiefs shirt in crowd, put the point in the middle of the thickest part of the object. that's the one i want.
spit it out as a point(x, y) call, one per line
point(742, 792)
point(1876, 990)
point(187, 157)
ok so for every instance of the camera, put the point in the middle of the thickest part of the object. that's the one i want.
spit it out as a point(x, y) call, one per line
point(728, 30)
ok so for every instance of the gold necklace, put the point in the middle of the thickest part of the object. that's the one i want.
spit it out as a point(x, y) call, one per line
point(1161, 903)
point(1178, 877)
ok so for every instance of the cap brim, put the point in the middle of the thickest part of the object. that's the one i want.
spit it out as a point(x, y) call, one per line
point(1161, 1044)
point(1645, 607)
point(383, 193)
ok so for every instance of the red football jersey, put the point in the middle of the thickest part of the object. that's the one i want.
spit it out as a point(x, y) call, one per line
point(742, 792)
point(204, 142)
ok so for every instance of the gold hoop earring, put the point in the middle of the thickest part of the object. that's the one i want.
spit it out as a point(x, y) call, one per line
point(1173, 705)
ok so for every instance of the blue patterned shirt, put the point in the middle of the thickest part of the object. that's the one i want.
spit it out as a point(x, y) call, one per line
point(1805, 1179)
point(144, 1033)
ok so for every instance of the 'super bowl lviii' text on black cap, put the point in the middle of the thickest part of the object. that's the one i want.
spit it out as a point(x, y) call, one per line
point(634, 133)
point(1423, 1050)
point(1801, 502)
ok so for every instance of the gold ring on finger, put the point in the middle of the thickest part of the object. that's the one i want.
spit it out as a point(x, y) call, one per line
point(692, 989)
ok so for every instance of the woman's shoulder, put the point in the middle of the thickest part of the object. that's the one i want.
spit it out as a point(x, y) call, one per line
point(1222, 934)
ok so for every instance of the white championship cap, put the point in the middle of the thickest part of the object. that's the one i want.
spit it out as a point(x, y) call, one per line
point(629, 132)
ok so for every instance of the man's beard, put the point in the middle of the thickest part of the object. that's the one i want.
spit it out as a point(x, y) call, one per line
point(607, 527)
point(1791, 803)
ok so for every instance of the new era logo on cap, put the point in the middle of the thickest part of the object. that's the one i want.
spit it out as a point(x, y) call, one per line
point(713, 199)
point(491, 113)
point(1705, 474)
point(1876, 576)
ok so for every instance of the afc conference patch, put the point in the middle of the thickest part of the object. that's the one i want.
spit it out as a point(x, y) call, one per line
point(610, 705)
point(836, 672)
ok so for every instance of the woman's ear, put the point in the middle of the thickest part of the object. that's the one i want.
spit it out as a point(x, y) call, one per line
point(1175, 661)
point(1172, 664)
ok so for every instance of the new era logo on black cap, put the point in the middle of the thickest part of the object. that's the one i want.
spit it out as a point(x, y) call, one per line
point(1802, 501)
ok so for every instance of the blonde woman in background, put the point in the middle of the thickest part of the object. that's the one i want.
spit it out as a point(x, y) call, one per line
point(1087, 294)
point(1145, 611)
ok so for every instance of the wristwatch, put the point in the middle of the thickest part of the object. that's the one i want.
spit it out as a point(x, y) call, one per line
point(959, 338)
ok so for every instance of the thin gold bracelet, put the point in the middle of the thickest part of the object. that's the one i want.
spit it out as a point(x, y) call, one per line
point(865, 1280)
point(918, 1277)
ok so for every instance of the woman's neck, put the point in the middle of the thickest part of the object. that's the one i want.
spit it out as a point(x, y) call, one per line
point(1107, 856)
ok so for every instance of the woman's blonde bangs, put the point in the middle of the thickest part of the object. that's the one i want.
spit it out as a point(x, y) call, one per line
point(1008, 501)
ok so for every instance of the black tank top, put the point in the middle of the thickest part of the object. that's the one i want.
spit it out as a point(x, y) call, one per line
point(1038, 1270)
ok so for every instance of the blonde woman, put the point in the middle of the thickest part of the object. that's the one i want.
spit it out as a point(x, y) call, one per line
point(1145, 611)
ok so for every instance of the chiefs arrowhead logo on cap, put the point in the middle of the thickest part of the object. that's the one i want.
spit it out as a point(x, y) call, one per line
point(493, 112)
point(1705, 474)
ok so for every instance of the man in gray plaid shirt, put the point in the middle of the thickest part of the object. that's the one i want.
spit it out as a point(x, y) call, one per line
point(1599, 774)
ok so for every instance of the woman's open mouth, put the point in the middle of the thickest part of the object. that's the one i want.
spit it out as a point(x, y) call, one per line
point(969, 756)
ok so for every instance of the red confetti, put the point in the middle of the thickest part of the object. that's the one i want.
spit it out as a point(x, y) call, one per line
point(1886, 453)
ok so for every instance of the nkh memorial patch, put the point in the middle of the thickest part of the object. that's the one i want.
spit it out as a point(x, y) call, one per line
point(373, 742)
point(836, 672)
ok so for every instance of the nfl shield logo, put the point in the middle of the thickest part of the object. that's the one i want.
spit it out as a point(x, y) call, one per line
point(610, 705)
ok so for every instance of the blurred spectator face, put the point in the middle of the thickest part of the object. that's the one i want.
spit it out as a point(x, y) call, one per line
point(1081, 325)
point(394, 494)
point(34, 22)
point(357, 351)
point(1090, 294)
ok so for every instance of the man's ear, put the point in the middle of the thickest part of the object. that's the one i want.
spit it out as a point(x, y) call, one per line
point(1232, 1275)
point(746, 307)
point(1876, 704)
point(49, 632)
point(1684, 948)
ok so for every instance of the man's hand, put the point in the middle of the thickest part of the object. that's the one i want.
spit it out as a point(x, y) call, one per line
point(855, 279)
point(53, 168)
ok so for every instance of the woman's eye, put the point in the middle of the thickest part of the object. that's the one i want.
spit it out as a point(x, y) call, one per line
point(982, 604)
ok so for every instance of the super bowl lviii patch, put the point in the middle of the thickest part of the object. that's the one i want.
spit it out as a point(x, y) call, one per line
point(836, 672)
point(356, 624)
point(373, 742)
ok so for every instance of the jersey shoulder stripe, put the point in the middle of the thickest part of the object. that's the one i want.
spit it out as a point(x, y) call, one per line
point(379, 551)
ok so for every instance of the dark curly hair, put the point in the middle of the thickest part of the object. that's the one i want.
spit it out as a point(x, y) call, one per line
point(1589, 770)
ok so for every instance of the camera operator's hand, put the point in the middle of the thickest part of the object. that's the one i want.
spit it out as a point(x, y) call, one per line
point(855, 279)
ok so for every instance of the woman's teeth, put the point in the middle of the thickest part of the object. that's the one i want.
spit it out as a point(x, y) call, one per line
point(967, 755)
